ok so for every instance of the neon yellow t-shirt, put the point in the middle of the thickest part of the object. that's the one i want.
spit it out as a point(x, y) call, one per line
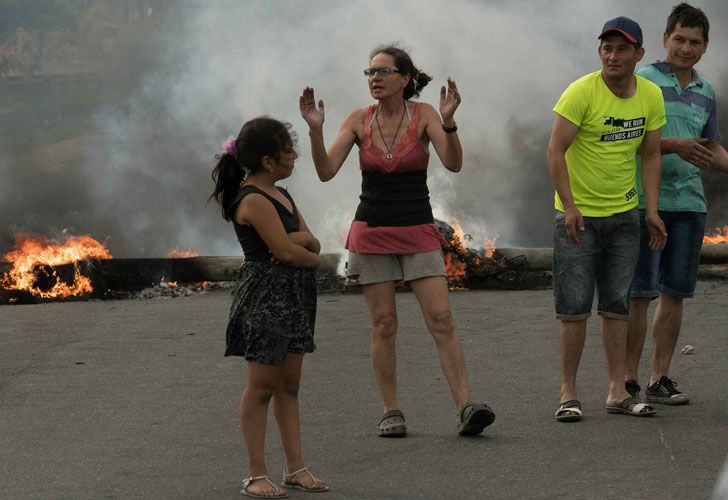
point(601, 159)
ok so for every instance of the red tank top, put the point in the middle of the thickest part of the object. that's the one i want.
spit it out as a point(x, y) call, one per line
point(407, 156)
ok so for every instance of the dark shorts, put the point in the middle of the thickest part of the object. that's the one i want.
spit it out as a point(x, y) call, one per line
point(605, 258)
point(674, 269)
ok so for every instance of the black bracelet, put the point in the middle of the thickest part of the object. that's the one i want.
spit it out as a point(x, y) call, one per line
point(449, 130)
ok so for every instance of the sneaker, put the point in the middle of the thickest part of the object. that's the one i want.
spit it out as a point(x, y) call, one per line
point(663, 391)
point(633, 388)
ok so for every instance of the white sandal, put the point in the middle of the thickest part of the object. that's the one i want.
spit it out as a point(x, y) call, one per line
point(248, 480)
point(287, 483)
point(569, 411)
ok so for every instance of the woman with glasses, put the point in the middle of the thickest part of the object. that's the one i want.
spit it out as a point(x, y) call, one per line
point(393, 236)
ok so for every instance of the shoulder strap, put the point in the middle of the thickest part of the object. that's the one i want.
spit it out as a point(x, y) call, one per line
point(245, 191)
point(414, 120)
point(285, 193)
point(368, 120)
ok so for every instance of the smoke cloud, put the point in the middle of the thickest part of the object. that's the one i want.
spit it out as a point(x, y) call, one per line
point(141, 181)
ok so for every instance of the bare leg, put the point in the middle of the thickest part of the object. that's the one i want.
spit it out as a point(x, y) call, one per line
point(253, 416)
point(431, 293)
point(285, 407)
point(614, 338)
point(665, 331)
point(383, 310)
point(636, 331)
point(572, 335)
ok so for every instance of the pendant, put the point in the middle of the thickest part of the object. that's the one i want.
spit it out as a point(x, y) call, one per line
point(389, 156)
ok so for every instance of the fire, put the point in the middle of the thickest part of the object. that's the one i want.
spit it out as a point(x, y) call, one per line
point(461, 260)
point(34, 256)
point(459, 236)
point(454, 262)
point(489, 246)
point(171, 284)
point(176, 253)
point(720, 235)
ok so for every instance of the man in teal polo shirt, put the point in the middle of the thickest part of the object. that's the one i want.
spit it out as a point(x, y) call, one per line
point(689, 143)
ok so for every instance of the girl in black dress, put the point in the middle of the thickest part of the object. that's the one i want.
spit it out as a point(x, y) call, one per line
point(274, 307)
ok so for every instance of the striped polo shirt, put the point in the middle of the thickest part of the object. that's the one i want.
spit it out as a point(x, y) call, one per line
point(691, 113)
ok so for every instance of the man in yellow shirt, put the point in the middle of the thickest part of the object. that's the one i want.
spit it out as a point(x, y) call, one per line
point(602, 120)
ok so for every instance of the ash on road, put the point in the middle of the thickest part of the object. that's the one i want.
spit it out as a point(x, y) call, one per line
point(133, 398)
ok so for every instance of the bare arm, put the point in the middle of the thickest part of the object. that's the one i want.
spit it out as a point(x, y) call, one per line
point(446, 145)
point(305, 238)
point(696, 151)
point(329, 162)
point(651, 169)
point(260, 213)
point(703, 153)
point(563, 133)
point(720, 157)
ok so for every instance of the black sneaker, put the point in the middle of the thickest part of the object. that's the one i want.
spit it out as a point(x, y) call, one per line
point(663, 391)
point(633, 388)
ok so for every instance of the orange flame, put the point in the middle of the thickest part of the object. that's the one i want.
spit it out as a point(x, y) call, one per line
point(489, 246)
point(454, 259)
point(176, 253)
point(720, 235)
point(32, 251)
point(171, 284)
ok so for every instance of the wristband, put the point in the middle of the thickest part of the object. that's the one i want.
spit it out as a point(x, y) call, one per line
point(449, 130)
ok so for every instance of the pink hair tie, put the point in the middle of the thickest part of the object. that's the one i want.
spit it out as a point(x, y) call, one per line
point(229, 147)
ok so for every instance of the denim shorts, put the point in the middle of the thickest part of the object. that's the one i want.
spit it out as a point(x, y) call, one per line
point(674, 269)
point(368, 268)
point(605, 258)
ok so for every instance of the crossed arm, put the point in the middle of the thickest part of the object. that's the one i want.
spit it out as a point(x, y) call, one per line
point(299, 249)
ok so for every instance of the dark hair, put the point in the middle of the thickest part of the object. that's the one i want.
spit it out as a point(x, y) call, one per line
point(405, 66)
point(688, 16)
point(259, 137)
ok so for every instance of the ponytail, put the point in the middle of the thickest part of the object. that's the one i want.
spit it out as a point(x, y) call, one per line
point(243, 155)
point(227, 175)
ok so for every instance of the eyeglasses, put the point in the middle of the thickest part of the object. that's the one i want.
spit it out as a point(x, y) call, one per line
point(381, 71)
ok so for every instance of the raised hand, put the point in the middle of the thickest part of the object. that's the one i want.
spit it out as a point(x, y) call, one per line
point(449, 100)
point(307, 103)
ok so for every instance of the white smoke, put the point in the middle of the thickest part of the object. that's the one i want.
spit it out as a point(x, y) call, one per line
point(223, 62)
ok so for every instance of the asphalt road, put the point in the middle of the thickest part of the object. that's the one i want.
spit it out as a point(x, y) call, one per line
point(133, 399)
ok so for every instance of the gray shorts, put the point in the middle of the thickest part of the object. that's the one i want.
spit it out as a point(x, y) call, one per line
point(368, 268)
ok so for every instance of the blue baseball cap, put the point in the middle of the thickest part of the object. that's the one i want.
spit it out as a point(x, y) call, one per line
point(625, 27)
